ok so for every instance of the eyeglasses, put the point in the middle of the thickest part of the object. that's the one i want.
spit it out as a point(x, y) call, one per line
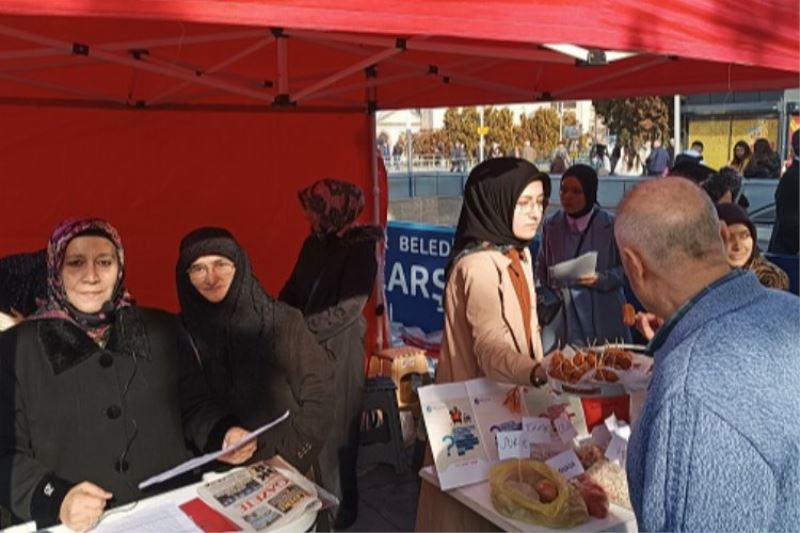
point(221, 268)
point(528, 207)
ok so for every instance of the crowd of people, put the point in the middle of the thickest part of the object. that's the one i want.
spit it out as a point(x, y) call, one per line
point(721, 327)
point(140, 390)
point(98, 393)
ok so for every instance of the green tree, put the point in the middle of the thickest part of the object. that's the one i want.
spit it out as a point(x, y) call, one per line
point(431, 142)
point(500, 122)
point(461, 125)
point(636, 119)
point(541, 129)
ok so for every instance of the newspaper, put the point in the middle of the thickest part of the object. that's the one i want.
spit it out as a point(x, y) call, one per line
point(262, 497)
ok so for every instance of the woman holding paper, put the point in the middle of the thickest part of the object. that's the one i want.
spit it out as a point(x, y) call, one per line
point(592, 301)
point(93, 398)
point(258, 356)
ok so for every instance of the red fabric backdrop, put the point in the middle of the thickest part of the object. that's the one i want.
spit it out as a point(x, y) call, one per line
point(158, 175)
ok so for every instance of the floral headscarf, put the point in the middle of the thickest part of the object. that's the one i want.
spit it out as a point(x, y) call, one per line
point(335, 204)
point(96, 325)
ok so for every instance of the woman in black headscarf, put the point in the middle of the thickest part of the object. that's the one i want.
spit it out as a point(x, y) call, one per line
point(330, 284)
point(257, 354)
point(93, 399)
point(592, 309)
point(490, 323)
point(491, 328)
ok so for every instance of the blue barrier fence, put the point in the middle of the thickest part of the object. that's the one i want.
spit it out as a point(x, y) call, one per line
point(403, 185)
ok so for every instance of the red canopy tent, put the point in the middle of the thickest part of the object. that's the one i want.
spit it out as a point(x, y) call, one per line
point(164, 115)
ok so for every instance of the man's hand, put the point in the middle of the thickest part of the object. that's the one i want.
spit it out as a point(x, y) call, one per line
point(242, 454)
point(83, 506)
point(647, 324)
point(589, 280)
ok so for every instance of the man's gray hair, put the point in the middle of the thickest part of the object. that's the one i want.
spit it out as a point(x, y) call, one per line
point(670, 221)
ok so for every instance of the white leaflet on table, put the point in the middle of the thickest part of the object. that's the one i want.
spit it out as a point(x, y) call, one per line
point(162, 517)
point(567, 463)
point(458, 448)
point(191, 464)
point(487, 398)
point(573, 269)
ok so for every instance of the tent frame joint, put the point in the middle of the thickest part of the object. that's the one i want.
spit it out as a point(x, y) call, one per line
point(283, 100)
point(80, 49)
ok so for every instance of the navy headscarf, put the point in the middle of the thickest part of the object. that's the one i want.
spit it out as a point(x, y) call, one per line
point(587, 176)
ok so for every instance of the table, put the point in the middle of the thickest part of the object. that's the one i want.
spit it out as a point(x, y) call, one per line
point(172, 499)
point(477, 498)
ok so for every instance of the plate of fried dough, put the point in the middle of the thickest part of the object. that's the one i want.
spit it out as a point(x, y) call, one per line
point(598, 371)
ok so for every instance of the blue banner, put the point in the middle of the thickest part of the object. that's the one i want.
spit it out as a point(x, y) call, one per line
point(416, 256)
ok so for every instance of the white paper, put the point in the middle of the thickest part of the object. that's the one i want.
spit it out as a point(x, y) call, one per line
point(539, 428)
point(487, 399)
point(163, 517)
point(513, 445)
point(601, 435)
point(574, 268)
point(567, 463)
point(191, 464)
point(566, 431)
point(617, 449)
point(458, 447)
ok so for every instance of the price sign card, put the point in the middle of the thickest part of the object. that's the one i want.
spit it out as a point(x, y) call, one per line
point(567, 463)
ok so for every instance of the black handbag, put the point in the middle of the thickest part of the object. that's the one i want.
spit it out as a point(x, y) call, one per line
point(548, 304)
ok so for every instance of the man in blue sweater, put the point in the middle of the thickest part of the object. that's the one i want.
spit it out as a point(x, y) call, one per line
point(717, 445)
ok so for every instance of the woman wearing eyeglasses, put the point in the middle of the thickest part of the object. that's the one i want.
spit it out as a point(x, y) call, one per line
point(93, 399)
point(257, 354)
point(490, 323)
point(330, 284)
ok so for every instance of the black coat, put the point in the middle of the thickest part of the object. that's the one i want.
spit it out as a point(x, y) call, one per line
point(71, 411)
point(298, 376)
point(786, 235)
point(330, 284)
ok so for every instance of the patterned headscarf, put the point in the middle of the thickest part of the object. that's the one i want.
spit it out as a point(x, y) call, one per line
point(336, 204)
point(96, 325)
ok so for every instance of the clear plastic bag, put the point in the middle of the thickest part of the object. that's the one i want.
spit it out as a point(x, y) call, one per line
point(513, 494)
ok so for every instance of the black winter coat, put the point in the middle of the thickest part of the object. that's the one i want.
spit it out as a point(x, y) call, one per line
point(71, 411)
point(299, 377)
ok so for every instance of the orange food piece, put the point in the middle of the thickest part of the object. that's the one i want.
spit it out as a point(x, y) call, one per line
point(628, 315)
point(546, 490)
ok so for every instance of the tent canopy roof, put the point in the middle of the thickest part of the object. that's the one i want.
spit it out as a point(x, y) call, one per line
point(267, 54)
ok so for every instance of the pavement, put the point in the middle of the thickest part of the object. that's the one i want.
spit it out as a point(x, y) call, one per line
point(387, 499)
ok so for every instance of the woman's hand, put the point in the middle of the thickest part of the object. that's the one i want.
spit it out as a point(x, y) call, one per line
point(648, 324)
point(83, 506)
point(241, 455)
point(589, 280)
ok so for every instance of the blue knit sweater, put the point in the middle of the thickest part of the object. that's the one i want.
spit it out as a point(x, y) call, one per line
point(717, 446)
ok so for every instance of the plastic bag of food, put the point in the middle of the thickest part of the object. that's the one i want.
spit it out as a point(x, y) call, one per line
point(593, 494)
point(612, 478)
point(531, 491)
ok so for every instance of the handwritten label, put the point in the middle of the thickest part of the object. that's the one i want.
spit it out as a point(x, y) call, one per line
point(617, 450)
point(601, 435)
point(566, 431)
point(567, 463)
point(539, 429)
point(513, 445)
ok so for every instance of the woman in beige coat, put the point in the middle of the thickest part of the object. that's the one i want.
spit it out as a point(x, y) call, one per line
point(490, 326)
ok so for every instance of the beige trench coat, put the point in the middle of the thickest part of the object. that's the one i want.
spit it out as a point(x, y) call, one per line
point(484, 335)
point(483, 331)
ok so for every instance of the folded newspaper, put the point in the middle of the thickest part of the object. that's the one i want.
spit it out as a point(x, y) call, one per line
point(262, 497)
